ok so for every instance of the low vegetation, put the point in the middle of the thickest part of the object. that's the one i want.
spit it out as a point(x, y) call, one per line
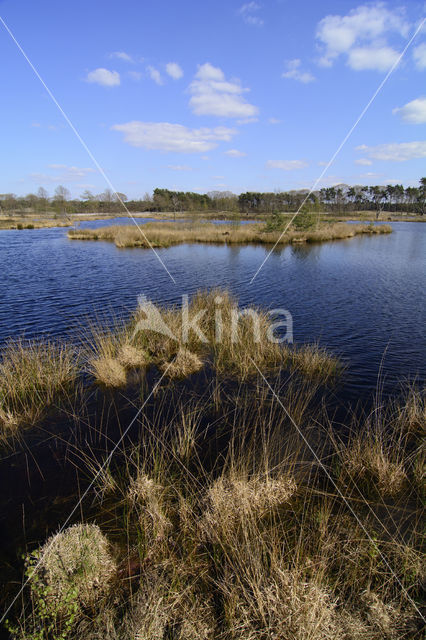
point(167, 234)
point(21, 223)
point(267, 541)
point(37, 375)
point(33, 375)
point(235, 507)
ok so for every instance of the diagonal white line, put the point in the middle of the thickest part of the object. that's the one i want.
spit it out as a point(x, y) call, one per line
point(86, 148)
point(101, 468)
point(324, 468)
point(345, 139)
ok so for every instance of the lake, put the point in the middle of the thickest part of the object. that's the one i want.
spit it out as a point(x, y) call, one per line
point(363, 298)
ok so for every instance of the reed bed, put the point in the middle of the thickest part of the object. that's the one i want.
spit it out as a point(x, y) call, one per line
point(269, 541)
point(166, 234)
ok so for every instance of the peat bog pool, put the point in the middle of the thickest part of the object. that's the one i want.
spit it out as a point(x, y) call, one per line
point(363, 298)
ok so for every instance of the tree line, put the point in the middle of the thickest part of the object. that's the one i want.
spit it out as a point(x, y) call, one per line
point(341, 200)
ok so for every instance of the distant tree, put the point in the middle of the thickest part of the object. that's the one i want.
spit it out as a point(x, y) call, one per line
point(62, 194)
point(421, 198)
point(87, 196)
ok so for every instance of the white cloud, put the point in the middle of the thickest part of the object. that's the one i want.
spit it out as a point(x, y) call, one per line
point(121, 55)
point(104, 77)
point(419, 55)
point(174, 70)
point(395, 151)
point(164, 136)
point(64, 173)
point(249, 11)
point(213, 95)
point(179, 167)
point(294, 72)
point(234, 153)
point(286, 165)
point(372, 58)
point(365, 162)
point(155, 75)
point(413, 112)
point(274, 121)
point(361, 35)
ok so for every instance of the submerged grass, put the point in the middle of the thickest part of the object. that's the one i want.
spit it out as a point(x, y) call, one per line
point(266, 542)
point(166, 234)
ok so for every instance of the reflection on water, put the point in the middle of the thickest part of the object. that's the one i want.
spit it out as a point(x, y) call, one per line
point(362, 297)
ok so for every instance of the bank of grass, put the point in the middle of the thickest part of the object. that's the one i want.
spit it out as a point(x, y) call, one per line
point(22, 223)
point(166, 234)
point(267, 542)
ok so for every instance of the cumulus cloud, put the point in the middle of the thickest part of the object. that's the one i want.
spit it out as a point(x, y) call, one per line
point(179, 167)
point(286, 165)
point(413, 112)
point(249, 13)
point(274, 121)
point(121, 55)
point(361, 36)
point(372, 58)
point(365, 162)
point(163, 136)
point(174, 70)
point(235, 153)
point(419, 55)
point(213, 95)
point(62, 173)
point(155, 75)
point(104, 77)
point(395, 151)
point(294, 72)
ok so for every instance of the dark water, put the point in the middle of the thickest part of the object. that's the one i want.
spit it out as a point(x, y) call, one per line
point(363, 298)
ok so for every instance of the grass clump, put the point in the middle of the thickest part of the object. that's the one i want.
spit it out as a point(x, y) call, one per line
point(68, 576)
point(32, 376)
point(184, 364)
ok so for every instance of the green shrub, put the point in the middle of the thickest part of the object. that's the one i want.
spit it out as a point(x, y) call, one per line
point(304, 221)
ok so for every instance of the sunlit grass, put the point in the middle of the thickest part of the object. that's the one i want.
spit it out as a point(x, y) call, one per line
point(166, 234)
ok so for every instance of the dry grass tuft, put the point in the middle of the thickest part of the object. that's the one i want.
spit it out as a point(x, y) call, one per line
point(130, 357)
point(185, 364)
point(79, 561)
point(108, 371)
point(234, 502)
point(314, 361)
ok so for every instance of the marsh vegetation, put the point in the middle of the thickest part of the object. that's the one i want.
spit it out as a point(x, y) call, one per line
point(167, 234)
point(236, 505)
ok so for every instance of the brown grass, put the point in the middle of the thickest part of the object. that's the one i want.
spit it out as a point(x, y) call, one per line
point(261, 546)
point(166, 234)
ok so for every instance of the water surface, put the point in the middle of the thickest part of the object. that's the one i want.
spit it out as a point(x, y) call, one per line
point(363, 297)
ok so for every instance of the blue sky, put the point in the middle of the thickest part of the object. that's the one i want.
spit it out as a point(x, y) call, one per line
point(223, 95)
